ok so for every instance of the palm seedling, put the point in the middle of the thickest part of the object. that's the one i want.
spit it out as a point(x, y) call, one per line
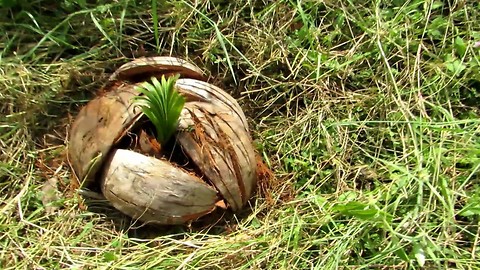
point(162, 104)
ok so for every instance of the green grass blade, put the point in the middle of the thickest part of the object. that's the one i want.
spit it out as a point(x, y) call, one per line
point(155, 24)
point(100, 28)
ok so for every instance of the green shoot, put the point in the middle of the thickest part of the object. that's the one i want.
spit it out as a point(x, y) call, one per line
point(162, 104)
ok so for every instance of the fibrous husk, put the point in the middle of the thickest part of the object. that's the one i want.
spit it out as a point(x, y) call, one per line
point(154, 190)
point(97, 126)
point(194, 90)
point(145, 67)
point(214, 137)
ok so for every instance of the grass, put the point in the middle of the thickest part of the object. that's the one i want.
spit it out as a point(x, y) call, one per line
point(367, 112)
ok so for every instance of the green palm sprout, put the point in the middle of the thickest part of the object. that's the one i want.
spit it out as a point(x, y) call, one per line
point(162, 104)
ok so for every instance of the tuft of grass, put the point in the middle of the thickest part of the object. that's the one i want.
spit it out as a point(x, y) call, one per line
point(367, 113)
point(162, 104)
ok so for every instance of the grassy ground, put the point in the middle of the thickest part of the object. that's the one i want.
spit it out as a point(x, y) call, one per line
point(367, 112)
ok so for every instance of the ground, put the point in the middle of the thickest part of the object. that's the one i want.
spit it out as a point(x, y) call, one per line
point(367, 112)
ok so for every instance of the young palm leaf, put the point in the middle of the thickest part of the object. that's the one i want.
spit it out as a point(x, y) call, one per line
point(162, 104)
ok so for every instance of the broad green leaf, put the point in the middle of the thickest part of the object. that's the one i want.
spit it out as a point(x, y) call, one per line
point(361, 211)
point(460, 46)
point(472, 208)
point(419, 254)
point(456, 66)
point(437, 5)
point(109, 256)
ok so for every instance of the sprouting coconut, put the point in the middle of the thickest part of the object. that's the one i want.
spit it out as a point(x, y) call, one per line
point(124, 141)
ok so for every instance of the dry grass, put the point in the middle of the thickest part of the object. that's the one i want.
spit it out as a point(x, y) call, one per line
point(367, 113)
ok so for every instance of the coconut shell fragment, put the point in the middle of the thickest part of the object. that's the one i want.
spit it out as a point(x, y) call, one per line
point(216, 140)
point(96, 127)
point(144, 67)
point(152, 190)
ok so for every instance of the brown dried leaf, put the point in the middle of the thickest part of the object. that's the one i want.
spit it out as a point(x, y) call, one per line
point(49, 194)
point(149, 145)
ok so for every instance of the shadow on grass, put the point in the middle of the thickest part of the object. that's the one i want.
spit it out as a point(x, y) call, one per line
point(219, 222)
